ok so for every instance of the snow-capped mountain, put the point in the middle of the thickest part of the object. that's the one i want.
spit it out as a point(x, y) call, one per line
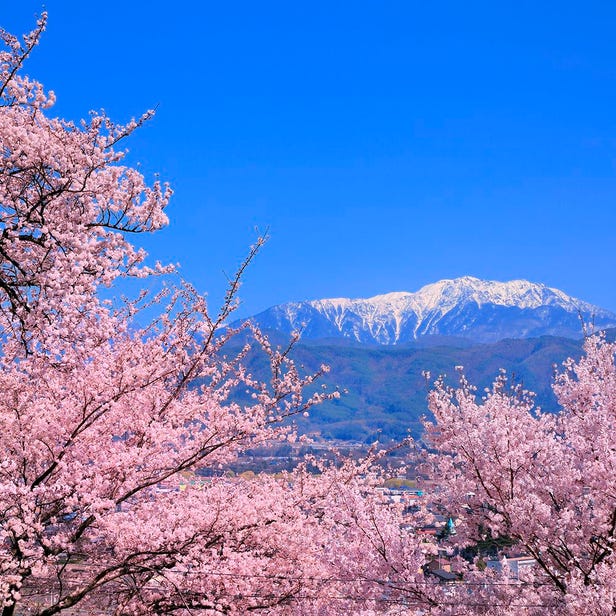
point(479, 310)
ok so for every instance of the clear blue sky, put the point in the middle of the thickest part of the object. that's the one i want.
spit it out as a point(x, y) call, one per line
point(385, 145)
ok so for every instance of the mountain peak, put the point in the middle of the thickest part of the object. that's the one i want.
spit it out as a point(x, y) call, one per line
point(468, 307)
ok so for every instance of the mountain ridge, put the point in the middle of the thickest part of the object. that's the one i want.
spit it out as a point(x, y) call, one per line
point(467, 307)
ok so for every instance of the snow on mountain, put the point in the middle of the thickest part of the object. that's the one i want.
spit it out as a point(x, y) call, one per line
point(467, 307)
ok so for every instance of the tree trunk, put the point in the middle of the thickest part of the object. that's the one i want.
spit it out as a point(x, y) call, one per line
point(8, 610)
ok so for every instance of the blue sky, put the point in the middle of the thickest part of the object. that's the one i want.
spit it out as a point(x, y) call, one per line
point(385, 145)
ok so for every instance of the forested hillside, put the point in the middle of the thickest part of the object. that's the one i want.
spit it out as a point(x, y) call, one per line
point(384, 389)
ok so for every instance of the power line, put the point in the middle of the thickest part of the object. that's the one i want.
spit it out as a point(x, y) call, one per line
point(402, 600)
point(291, 578)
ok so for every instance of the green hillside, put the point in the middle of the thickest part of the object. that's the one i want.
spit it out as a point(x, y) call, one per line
point(384, 388)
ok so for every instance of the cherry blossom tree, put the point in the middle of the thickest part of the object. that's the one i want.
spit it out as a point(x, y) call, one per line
point(100, 417)
point(67, 203)
point(546, 483)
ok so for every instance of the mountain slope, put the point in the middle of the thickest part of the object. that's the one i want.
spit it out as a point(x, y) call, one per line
point(470, 308)
point(386, 390)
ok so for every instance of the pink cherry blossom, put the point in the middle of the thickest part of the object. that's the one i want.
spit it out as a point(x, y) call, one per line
point(100, 417)
point(545, 483)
